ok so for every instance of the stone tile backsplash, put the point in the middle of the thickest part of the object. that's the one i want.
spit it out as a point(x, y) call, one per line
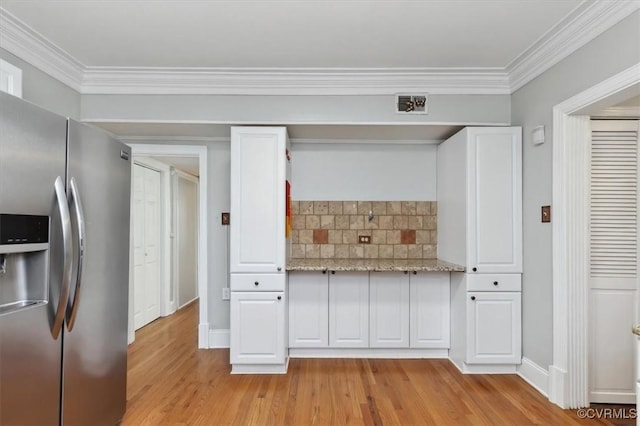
point(332, 229)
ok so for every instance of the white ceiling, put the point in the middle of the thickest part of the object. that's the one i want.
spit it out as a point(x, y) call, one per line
point(181, 133)
point(292, 34)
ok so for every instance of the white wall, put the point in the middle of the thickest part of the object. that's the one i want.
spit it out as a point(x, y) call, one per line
point(613, 51)
point(361, 171)
point(41, 89)
point(454, 109)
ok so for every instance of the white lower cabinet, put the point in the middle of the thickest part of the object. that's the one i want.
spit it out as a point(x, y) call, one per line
point(494, 328)
point(430, 310)
point(389, 310)
point(257, 328)
point(349, 309)
point(309, 309)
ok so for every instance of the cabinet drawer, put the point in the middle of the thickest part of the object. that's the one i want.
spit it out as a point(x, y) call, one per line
point(494, 282)
point(258, 282)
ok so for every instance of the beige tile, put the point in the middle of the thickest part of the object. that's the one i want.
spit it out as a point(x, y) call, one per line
point(415, 222)
point(341, 251)
point(299, 221)
point(399, 222)
point(371, 224)
point(298, 251)
point(434, 237)
point(356, 251)
point(335, 237)
point(429, 251)
point(327, 221)
point(349, 237)
point(385, 251)
point(379, 207)
point(335, 207)
point(400, 251)
point(414, 251)
point(312, 251)
point(393, 237)
point(349, 207)
point(295, 207)
point(385, 222)
point(430, 222)
point(379, 237)
point(394, 207)
point(423, 207)
point(295, 236)
point(320, 207)
point(356, 222)
point(434, 208)
point(342, 222)
point(370, 251)
point(313, 221)
point(423, 237)
point(305, 236)
point(364, 207)
point(327, 251)
point(306, 207)
point(408, 207)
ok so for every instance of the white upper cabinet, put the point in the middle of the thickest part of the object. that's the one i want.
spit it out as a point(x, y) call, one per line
point(258, 188)
point(480, 199)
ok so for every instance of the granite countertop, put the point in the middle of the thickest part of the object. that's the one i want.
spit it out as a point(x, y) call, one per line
point(636, 330)
point(430, 265)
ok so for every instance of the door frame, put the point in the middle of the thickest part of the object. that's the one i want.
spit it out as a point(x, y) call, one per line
point(569, 373)
point(199, 152)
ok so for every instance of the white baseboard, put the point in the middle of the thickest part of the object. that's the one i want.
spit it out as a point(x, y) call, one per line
point(465, 368)
point(203, 336)
point(219, 338)
point(535, 375)
point(379, 353)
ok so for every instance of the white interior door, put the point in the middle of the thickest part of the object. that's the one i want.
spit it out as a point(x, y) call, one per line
point(613, 257)
point(146, 245)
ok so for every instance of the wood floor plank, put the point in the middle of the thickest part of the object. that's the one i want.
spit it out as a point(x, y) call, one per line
point(171, 382)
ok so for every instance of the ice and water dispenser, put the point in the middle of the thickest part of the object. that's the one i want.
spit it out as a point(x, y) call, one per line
point(24, 254)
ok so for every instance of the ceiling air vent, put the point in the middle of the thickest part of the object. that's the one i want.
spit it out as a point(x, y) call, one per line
point(411, 104)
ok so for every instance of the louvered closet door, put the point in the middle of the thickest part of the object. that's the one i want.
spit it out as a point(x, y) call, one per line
point(613, 260)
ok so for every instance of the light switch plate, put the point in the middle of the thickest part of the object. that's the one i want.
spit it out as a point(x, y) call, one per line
point(225, 218)
point(546, 214)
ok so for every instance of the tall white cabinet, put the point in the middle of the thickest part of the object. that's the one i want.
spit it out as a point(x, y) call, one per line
point(479, 186)
point(258, 249)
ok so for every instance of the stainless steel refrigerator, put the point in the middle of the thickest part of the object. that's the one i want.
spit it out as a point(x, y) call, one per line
point(64, 269)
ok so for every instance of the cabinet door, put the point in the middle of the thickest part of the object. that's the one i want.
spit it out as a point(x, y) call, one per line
point(308, 310)
point(493, 328)
point(257, 328)
point(495, 200)
point(389, 310)
point(430, 310)
point(257, 234)
point(349, 309)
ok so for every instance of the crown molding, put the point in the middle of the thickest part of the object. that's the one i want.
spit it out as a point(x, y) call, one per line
point(293, 81)
point(27, 44)
point(581, 25)
point(587, 21)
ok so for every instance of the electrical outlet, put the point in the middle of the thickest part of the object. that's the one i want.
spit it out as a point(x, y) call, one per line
point(226, 293)
point(364, 239)
point(225, 218)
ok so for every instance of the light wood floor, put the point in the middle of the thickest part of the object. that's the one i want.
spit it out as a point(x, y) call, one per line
point(171, 382)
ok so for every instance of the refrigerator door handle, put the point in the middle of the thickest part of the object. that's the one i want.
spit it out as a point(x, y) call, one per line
point(79, 212)
point(67, 248)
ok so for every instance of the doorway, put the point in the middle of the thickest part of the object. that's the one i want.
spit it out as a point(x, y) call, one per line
point(165, 153)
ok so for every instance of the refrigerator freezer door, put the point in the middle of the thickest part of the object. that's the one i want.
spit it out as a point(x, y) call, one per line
point(32, 155)
point(95, 350)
